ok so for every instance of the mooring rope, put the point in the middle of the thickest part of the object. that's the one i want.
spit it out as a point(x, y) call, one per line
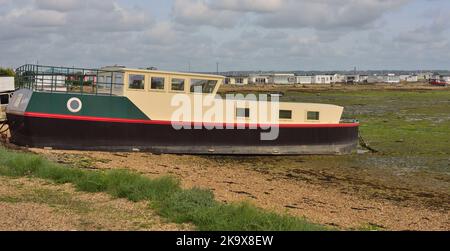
point(2, 124)
point(363, 144)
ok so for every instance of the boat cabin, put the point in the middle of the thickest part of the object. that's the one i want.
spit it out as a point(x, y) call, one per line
point(152, 91)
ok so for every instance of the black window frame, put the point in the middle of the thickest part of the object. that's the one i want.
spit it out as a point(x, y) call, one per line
point(313, 115)
point(178, 90)
point(132, 82)
point(163, 83)
point(208, 84)
point(284, 112)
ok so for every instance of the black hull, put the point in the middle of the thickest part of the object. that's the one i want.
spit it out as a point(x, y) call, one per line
point(109, 136)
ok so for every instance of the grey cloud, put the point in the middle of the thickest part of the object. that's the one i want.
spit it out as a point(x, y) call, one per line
point(317, 14)
point(60, 5)
point(264, 37)
point(321, 14)
point(247, 5)
point(198, 12)
point(433, 33)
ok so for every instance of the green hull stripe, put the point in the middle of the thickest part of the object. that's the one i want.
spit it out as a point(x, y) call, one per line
point(96, 106)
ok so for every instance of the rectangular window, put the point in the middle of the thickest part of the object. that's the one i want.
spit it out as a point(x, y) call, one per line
point(243, 112)
point(177, 84)
point(313, 115)
point(137, 82)
point(118, 78)
point(285, 114)
point(157, 83)
point(203, 86)
point(118, 84)
point(4, 99)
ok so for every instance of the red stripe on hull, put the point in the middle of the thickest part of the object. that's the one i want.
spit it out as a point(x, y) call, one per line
point(160, 122)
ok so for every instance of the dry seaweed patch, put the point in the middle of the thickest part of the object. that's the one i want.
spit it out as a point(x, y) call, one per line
point(334, 204)
point(34, 204)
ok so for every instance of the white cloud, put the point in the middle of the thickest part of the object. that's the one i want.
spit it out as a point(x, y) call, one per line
point(321, 14)
point(40, 18)
point(60, 5)
point(317, 14)
point(247, 5)
point(199, 12)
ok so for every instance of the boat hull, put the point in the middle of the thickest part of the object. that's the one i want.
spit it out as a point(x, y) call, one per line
point(85, 134)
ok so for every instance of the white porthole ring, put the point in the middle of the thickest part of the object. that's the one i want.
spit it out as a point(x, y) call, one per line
point(74, 105)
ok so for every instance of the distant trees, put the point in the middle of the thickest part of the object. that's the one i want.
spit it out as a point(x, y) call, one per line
point(7, 72)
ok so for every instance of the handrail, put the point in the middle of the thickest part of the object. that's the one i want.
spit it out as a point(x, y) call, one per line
point(70, 80)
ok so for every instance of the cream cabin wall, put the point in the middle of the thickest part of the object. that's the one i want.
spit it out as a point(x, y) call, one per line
point(157, 104)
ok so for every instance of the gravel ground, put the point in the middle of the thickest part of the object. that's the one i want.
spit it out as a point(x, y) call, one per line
point(319, 202)
point(37, 205)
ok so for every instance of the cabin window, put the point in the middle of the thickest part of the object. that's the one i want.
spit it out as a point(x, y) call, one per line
point(157, 83)
point(137, 82)
point(285, 114)
point(118, 78)
point(313, 116)
point(177, 84)
point(118, 84)
point(203, 85)
point(4, 99)
point(243, 112)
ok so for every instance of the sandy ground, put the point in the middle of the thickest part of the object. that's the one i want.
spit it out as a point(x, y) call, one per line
point(320, 202)
point(37, 205)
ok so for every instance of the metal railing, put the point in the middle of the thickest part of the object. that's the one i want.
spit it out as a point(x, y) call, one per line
point(70, 80)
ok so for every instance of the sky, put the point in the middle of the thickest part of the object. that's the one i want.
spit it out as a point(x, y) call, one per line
point(240, 35)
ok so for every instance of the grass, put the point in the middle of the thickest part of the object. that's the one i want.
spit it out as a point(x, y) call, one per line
point(396, 122)
point(196, 206)
point(49, 197)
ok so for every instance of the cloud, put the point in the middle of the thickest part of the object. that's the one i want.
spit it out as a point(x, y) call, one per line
point(39, 18)
point(60, 5)
point(200, 13)
point(241, 35)
point(317, 14)
point(321, 14)
point(69, 17)
point(247, 5)
point(435, 32)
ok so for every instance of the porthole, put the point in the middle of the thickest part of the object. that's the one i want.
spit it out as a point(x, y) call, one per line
point(74, 105)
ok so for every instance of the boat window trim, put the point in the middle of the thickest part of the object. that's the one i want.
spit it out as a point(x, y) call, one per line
point(150, 77)
point(309, 112)
point(138, 74)
point(205, 79)
point(180, 78)
point(285, 118)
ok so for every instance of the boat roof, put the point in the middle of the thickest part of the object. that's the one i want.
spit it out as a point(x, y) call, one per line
point(189, 74)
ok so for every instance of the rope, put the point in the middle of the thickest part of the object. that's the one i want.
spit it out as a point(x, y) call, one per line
point(363, 144)
point(2, 124)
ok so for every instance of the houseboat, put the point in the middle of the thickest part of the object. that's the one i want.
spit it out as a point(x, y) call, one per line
point(123, 109)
